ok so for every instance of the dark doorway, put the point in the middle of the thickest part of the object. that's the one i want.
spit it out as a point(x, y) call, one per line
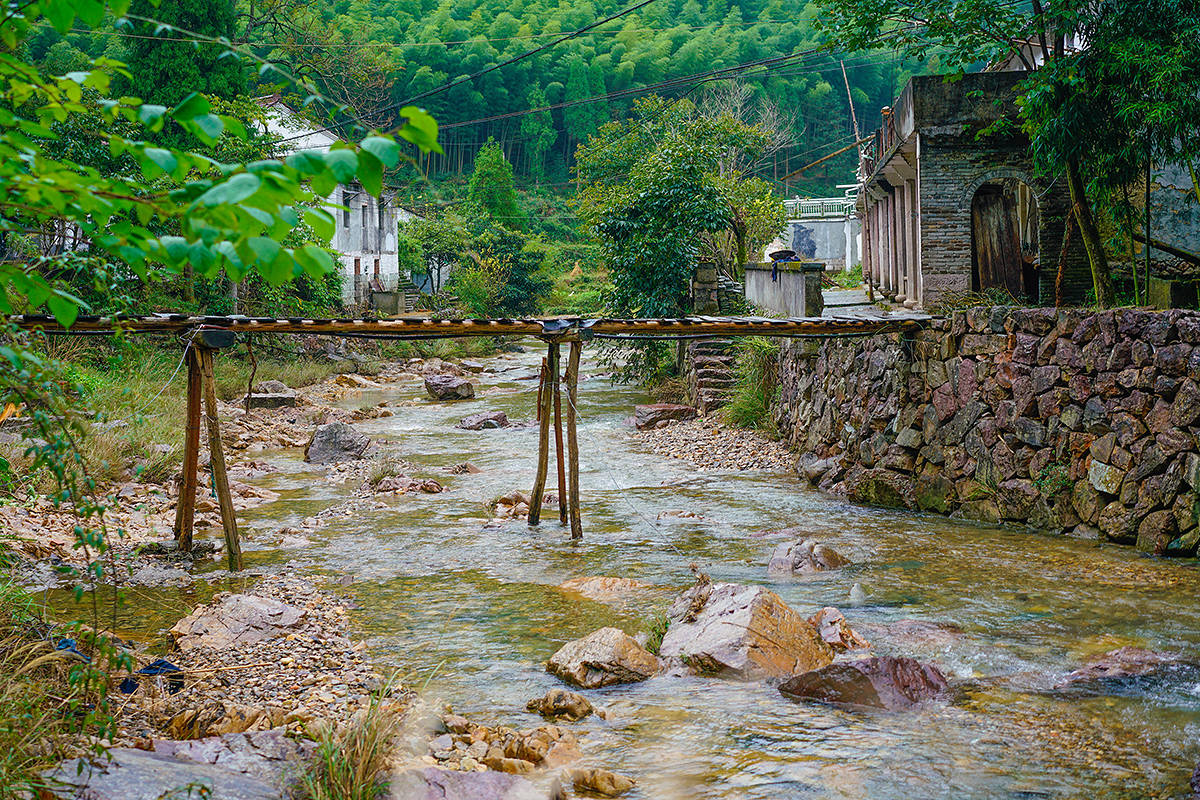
point(1004, 240)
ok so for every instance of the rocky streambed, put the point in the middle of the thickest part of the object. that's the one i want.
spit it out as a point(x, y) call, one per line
point(943, 659)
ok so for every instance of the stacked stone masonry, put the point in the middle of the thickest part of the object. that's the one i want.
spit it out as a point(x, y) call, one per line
point(1069, 420)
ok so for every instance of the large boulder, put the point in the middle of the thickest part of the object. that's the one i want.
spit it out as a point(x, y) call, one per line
point(335, 442)
point(484, 419)
point(655, 415)
point(741, 631)
point(880, 682)
point(237, 619)
point(271, 400)
point(435, 783)
point(448, 387)
point(254, 766)
point(602, 658)
point(804, 557)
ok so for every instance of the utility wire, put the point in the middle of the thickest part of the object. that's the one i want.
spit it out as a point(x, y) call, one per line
point(500, 65)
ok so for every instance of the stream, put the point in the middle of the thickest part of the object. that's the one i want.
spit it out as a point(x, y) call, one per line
point(469, 614)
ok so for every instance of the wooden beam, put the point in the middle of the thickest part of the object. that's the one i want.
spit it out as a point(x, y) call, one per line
point(233, 547)
point(543, 457)
point(185, 505)
point(558, 449)
point(573, 440)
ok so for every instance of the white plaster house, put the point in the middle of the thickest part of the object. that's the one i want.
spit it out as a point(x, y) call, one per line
point(366, 227)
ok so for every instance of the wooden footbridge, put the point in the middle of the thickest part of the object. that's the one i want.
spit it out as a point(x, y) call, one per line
point(203, 335)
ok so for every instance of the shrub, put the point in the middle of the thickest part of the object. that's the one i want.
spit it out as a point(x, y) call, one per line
point(756, 370)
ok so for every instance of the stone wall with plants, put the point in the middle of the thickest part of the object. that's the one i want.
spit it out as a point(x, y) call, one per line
point(1070, 420)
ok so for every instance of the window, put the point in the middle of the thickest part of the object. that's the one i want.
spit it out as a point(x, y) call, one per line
point(345, 209)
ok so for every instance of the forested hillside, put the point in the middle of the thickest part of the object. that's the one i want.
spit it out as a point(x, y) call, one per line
point(376, 56)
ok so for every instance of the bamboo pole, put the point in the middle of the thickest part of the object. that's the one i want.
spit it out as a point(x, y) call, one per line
point(572, 439)
point(558, 448)
point(185, 505)
point(543, 462)
point(217, 462)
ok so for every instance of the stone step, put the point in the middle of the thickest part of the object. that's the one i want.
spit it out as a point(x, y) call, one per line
point(719, 362)
point(716, 383)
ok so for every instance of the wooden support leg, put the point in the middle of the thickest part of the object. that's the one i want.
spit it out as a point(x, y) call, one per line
point(558, 448)
point(217, 462)
point(573, 440)
point(543, 463)
point(185, 505)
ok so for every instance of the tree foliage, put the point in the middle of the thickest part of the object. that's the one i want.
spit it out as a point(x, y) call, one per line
point(654, 192)
point(492, 190)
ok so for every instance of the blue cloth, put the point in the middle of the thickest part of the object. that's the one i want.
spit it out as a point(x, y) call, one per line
point(69, 646)
point(157, 667)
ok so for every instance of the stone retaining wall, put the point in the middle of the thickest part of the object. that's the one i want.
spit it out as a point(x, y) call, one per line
point(1069, 420)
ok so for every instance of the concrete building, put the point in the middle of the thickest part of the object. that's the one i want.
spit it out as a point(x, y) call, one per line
point(824, 229)
point(366, 231)
point(949, 204)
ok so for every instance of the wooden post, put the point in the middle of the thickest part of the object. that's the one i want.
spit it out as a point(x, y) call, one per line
point(556, 383)
point(217, 461)
point(573, 440)
point(185, 505)
point(543, 463)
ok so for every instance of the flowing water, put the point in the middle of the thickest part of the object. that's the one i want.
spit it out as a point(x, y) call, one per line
point(472, 612)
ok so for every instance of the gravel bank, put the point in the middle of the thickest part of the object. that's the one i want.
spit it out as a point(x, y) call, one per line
point(708, 445)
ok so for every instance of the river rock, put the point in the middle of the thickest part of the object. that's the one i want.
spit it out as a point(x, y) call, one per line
point(879, 682)
point(741, 631)
point(334, 442)
point(602, 588)
point(448, 387)
point(834, 629)
point(273, 387)
point(237, 619)
point(254, 766)
point(602, 658)
point(1119, 664)
point(804, 557)
point(435, 783)
point(352, 381)
point(601, 781)
point(651, 415)
point(271, 400)
point(484, 419)
point(561, 703)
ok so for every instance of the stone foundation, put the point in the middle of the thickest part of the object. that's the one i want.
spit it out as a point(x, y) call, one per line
point(1068, 420)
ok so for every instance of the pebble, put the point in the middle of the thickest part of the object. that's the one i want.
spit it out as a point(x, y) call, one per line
point(707, 444)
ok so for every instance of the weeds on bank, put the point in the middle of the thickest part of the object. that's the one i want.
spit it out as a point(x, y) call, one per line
point(850, 279)
point(756, 371)
point(657, 630)
point(351, 763)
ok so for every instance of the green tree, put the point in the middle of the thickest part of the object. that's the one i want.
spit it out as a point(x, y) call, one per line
point(524, 282)
point(654, 192)
point(492, 188)
point(538, 131)
point(443, 244)
point(163, 70)
point(579, 119)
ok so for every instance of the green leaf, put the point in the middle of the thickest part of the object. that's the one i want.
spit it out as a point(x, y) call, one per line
point(164, 159)
point(152, 116)
point(370, 173)
point(208, 128)
point(64, 310)
point(315, 260)
point(386, 150)
point(321, 221)
point(61, 14)
point(420, 128)
point(194, 105)
point(234, 190)
point(343, 164)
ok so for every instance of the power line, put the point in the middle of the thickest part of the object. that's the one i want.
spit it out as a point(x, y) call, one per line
point(380, 45)
point(506, 62)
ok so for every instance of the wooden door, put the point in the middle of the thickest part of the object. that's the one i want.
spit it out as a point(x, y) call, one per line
point(996, 245)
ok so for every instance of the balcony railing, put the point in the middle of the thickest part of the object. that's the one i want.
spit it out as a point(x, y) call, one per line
point(819, 207)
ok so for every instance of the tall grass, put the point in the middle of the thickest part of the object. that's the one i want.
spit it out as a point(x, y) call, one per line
point(756, 370)
point(351, 763)
point(42, 711)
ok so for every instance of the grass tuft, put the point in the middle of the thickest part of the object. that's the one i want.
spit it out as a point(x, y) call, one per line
point(351, 763)
point(756, 370)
